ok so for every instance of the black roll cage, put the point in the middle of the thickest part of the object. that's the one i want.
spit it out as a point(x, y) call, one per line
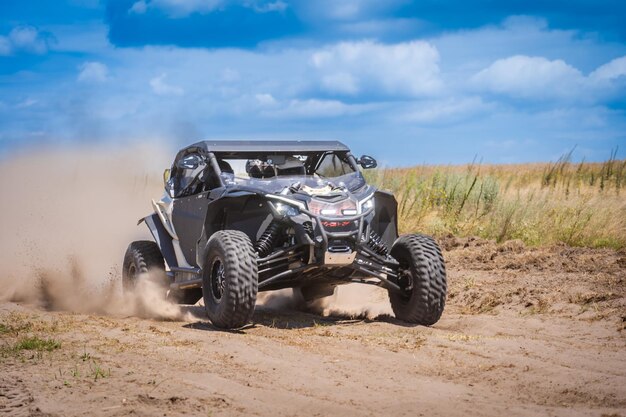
point(216, 171)
point(211, 151)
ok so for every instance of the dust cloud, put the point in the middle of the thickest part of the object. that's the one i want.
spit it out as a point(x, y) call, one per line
point(352, 301)
point(355, 301)
point(66, 221)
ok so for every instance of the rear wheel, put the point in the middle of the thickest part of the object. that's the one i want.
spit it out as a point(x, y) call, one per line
point(422, 278)
point(230, 279)
point(143, 260)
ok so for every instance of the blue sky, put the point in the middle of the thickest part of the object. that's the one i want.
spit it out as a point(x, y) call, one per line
point(408, 82)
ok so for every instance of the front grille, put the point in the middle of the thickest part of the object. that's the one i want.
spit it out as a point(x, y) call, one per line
point(340, 225)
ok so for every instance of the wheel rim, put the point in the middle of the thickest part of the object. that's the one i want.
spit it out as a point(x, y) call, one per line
point(405, 278)
point(218, 282)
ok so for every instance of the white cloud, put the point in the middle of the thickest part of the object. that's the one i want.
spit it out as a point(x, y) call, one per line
point(466, 52)
point(344, 10)
point(229, 75)
point(380, 27)
point(531, 77)
point(29, 102)
point(27, 38)
point(24, 38)
point(183, 8)
point(611, 70)
point(404, 69)
point(538, 78)
point(340, 82)
point(265, 99)
point(314, 109)
point(445, 110)
point(525, 23)
point(5, 46)
point(93, 72)
point(160, 87)
point(277, 6)
point(139, 7)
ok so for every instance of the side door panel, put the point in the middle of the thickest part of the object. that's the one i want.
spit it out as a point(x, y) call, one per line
point(188, 217)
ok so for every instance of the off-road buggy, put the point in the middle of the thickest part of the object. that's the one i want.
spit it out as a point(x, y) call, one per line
point(239, 217)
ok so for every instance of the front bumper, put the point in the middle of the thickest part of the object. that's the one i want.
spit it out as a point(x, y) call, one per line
point(332, 249)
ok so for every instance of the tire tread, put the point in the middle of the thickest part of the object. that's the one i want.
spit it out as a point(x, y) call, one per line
point(428, 297)
point(147, 257)
point(241, 282)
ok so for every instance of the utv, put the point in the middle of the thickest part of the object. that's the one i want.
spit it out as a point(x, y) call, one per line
point(239, 217)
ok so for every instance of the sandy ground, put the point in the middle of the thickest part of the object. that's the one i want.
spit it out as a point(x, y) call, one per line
point(525, 331)
point(516, 339)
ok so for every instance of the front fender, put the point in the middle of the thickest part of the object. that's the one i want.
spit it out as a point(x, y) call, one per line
point(243, 211)
point(385, 221)
point(162, 238)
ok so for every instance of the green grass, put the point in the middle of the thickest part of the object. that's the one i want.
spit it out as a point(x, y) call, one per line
point(31, 343)
point(97, 372)
point(37, 344)
point(579, 204)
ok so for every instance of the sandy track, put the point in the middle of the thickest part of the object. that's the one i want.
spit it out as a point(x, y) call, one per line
point(516, 339)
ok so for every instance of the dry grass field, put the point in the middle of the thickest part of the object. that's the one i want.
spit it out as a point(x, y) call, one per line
point(578, 204)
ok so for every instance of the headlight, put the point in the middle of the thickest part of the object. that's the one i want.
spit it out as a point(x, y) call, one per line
point(367, 205)
point(287, 210)
point(342, 208)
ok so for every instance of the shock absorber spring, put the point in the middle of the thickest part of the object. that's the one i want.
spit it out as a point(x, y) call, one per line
point(376, 243)
point(265, 244)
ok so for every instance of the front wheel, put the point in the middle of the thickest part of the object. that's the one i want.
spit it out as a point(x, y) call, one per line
point(230, 279)
point(422, 278)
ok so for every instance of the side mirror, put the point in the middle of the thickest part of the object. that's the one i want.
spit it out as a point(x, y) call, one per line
point(367, 162)
point(190, 162)
point(166, 176)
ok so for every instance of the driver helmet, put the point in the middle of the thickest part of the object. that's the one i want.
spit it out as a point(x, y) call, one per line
point(257, 168)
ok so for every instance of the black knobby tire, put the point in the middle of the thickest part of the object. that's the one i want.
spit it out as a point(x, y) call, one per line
point(143, 259)
point(425, 277)
point(230, 279)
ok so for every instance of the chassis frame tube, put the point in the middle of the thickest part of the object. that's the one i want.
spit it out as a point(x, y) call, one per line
point(285, 274)
point(216, 168)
